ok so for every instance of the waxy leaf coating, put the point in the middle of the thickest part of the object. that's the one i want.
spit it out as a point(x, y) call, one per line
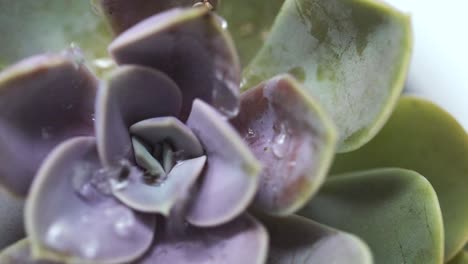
point(44, 100)
point(232, 174)
point(292, 137)
point(71, 216)
point(242, 240)
point(190, 46)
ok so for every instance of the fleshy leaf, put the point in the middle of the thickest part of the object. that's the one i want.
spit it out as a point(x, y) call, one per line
point(395, 211)
point(421, 136)
point(123, 14)
point(192, 47)
point(295, 239)
point(243, 240)
point(20, 253)
point(460, 258)
point(231, 177)
point(70, 216)
point(249, 23)
point(129, 95)
point(35, 27)
point(44, 100)
point(11, 219)
point(163, 197)
point(157, 130)
point(351, 55)
point(293, 139)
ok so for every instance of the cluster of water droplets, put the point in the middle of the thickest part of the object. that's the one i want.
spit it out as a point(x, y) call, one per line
point(61, 236)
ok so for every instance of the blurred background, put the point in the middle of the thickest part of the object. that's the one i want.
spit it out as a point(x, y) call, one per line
point(439, 69)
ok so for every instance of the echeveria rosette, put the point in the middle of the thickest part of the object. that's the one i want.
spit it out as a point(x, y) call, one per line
point(148, 187)
point(175, 87)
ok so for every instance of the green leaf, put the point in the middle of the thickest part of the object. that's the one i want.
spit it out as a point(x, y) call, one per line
point(421, 136)
point(249, 22)
point(295, 239)
point(30, 27)
point(394, 211)
point(350, 54)
point(460, 258)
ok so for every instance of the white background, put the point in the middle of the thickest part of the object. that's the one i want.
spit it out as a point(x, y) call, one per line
point(439, 68)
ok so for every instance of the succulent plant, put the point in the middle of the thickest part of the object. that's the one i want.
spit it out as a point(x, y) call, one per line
point(167, 152)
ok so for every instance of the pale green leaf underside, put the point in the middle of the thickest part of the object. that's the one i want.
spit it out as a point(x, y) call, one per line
point(350, 54)
point(394, 211)
point(29, 27)
point(422, 137)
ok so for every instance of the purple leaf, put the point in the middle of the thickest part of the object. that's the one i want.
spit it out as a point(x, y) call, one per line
point(160, 198)
point(131, 94)
point(44, 100)
point(122, 14)
point(191, 46)
point(231, 177)
point(71, 215)
point(292, 137)
point(243, 240)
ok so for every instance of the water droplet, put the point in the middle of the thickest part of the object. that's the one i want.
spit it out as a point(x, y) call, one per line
point(75, 53)
point(250, 134)
point(243, 82)
point(119, 185)
point(93, 117)
point(46, 132)
point(101, 180)
point(222, 22)
point(69, 106)
point(223, 99)
point(90, 248)
point(280, 141)
point(90, 183)
point(123, 220)
point(103, 63)
point(205, 3)
point(56, 234)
